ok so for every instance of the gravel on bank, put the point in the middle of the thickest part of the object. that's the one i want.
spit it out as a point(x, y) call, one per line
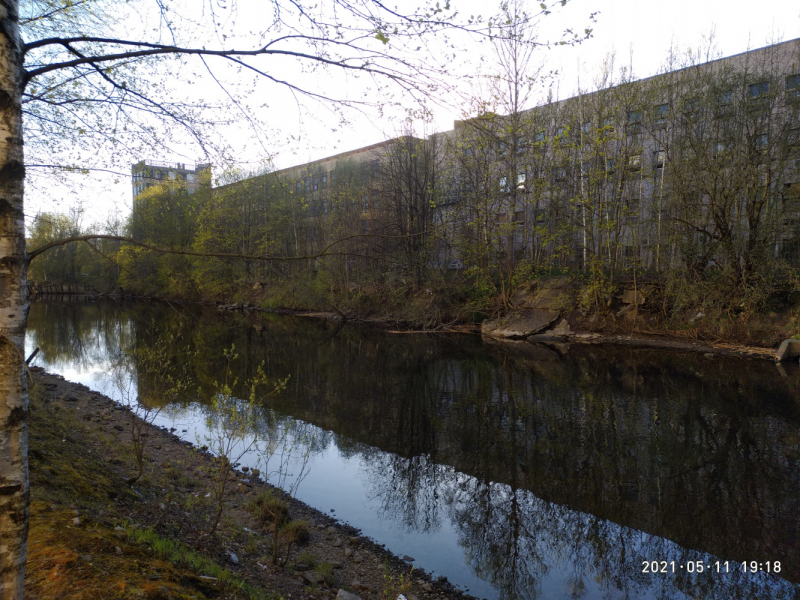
point(91, 532)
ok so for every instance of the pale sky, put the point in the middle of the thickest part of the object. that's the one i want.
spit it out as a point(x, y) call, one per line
point(639, 33)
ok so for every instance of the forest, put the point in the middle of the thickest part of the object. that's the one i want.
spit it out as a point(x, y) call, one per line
point(689, 180)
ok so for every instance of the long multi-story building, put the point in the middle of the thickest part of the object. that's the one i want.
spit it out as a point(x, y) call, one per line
point(693, 168)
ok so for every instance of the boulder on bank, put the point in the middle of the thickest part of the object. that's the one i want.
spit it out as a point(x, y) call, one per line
point(535, 307)
point(788, 349)
point(518, 326)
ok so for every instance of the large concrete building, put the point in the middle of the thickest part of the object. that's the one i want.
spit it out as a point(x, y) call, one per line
point(148, 173)
point(695, 166)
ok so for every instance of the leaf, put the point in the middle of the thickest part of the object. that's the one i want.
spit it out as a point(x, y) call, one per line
point(382, 37)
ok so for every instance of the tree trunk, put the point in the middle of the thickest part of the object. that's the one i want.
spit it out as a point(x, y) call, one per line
point(14, 489)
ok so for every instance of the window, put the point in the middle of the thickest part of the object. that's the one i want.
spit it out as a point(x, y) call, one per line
point(634, 161)
point(561, 173)
point(691, 104)
point(521, 144)
point(634, 117)
point(501, 218)
point(375, 200)
point(761, 141)
point(504, 184)
point(561, 131)
point(793, 86)
point(324, 206)
point(324, 180)
point(299, 186)
point(501, 148)
point(793, 138)
point(307, 184)
point(611, 164)
point(539, 138)
point(608, 124)
point(586, 167)
point(661, 114)
point(725, 98)
point(633, 210)
point(332, 174)
point(586, 127)
point(658, 158)
point(468, 151)
point(758, 90)
point(316, 182)
point(521, 181)
point(374, 168)
point(519, 216)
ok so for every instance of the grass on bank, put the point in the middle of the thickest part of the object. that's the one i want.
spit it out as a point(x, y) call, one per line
point(72, 477)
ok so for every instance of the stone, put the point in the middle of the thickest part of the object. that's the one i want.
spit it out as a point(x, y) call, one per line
point(520, 326)
point(76, 521)
point(441, 578)
point(357, 559)
point(788, 349)
point(337, 543)
point(348, 552)
point(345, 595)
point(256, 472)
point(407, 558)
point(335, 564)
point(301, 567)
point(86, 557)
point(310, 577)
point(427, 587)
point(330, 530)
point(234, 558)
point(562, 328)
point(353, 540)
point(117, 550)
point(245, 469)
point(635, 297)
point(242, 488)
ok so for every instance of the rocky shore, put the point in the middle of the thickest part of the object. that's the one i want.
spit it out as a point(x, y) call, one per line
point(93, 536)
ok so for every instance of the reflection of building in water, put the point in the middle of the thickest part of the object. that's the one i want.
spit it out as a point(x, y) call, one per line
point(149, 173)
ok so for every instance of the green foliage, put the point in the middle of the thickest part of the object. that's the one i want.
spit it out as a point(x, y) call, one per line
point(178, 553)
point(394, 585)
point(268, 508)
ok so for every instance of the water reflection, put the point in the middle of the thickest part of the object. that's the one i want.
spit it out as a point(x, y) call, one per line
point(549, 475)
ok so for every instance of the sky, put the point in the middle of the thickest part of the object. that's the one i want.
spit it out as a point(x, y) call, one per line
point(640, 34)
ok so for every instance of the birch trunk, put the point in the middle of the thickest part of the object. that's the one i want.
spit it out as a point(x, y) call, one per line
point(14, 487)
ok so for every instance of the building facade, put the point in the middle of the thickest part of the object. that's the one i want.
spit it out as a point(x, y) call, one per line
point(149, 173)
point(696, 167)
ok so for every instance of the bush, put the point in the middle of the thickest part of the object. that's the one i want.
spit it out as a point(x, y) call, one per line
point(269, 509)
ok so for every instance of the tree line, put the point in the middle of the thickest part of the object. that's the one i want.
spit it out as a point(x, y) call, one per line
point(693, 174)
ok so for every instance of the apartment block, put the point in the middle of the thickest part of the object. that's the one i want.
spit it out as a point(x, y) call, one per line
point(149, 173)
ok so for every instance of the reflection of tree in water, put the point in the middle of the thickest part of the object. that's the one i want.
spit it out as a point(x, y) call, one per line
point(79, 334)
point(585, 451)
point(408, 489)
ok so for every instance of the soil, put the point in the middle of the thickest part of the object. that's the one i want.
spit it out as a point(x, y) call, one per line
point(94, 536)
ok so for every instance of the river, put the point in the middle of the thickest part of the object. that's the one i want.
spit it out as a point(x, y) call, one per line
point(516, 471)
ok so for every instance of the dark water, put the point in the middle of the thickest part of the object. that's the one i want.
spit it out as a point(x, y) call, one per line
point(526, 472)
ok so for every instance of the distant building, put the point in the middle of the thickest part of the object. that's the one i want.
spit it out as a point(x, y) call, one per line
point(148, 173)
